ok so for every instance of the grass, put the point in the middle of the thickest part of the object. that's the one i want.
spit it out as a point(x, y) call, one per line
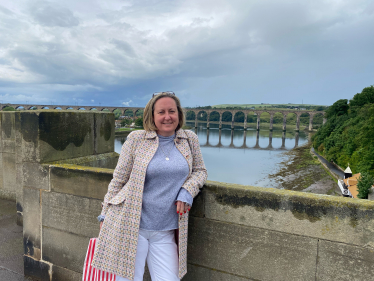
point(264, 106)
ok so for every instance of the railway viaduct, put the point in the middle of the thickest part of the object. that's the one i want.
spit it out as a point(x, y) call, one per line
point(196, 111)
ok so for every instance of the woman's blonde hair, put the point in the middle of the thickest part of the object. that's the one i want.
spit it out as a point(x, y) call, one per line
point(148, 121)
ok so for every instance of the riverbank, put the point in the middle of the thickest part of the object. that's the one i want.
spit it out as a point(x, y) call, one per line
point(302, 171)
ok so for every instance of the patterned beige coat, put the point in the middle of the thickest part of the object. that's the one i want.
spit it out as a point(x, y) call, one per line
point(118, 239)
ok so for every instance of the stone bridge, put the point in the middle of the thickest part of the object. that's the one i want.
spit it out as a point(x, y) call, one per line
point(196, 111)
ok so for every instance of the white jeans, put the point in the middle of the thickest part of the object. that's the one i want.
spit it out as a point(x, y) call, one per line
point(160, 251)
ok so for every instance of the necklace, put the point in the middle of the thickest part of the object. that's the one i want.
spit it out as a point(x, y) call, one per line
point(167, 155)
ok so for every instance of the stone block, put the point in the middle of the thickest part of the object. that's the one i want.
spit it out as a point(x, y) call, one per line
point(9, 146)
point(63, 274)
point(31, 222)
point(66, 134)
point(9, 172)
point(338, 261)
point(251, 252)
point(64, 249)
point(333, 218)
point(1, 172)
point(71, 213)
point(82, 181)
point(36, 269)
point(104, 126)
point(29, 129)
point(8, 126)
point(35, 175)
point(195, 273)
point(197, 209)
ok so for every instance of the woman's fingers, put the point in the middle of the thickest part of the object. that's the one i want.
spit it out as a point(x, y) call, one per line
point(182, 207)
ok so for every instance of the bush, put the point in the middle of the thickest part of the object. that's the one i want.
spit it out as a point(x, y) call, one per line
point(139, 122)
point(364, 185)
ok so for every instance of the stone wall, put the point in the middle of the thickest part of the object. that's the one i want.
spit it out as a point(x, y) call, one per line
point(236, 233)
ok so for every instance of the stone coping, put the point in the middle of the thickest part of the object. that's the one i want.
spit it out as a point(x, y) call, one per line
point(85, 159)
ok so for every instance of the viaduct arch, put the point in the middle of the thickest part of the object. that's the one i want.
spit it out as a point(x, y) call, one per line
point(134, 110)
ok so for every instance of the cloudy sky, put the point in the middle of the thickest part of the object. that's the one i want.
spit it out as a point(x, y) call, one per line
point(118, 52)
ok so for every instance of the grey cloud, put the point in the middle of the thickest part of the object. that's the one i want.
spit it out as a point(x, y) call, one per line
point(52, 14)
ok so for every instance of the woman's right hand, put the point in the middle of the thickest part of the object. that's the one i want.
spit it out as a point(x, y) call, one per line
point(101, 224)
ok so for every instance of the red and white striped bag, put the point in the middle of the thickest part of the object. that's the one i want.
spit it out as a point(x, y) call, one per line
point(93, 274)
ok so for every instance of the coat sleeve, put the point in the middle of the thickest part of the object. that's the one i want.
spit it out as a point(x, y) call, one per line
point(199, 173)
point(122, 171)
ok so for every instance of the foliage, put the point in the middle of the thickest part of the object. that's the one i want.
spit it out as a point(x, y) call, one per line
point(364, 185)
point(9, 108)
point(339, 107)
point(348, 135)
point(139, 122)
point(117, 113)
point(125, 122)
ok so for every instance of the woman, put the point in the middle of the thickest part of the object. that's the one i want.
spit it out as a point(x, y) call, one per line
point(159, 172)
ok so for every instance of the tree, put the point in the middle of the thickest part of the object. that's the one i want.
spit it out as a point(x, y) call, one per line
point(364, 185)
point(366, 96)
point(117, 113)
point(125, 122)
point(139, 122)
point(9, 108)
point(339, 107)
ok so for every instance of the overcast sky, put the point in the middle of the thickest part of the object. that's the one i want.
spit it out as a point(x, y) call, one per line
point(208, 52)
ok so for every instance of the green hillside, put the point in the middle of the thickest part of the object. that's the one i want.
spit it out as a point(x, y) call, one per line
point(348, 135)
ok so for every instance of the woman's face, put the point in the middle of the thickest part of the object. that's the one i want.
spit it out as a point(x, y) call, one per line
point(165, 116)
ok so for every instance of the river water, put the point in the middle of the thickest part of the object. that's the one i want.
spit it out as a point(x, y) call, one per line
point(242, 157)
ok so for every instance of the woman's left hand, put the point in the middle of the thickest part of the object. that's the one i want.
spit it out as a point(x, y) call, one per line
point(182, 207)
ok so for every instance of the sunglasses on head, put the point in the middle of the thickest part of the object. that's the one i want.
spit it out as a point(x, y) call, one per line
point(166, 92)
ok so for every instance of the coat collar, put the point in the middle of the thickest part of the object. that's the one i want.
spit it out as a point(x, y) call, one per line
point(180, 134)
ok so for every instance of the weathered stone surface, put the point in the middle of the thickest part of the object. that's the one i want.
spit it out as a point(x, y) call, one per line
point(9, 172)
point(104, 141)
point(64, 135)
point(64, 249)
point(338, 261)
point(35, 175)
point(9, 146)
point(71, 213)
point(321, 216)
point(8, 125)
point(36, 269)
point(251, 252)
point(196, 273)
point(81, 181)
point(63, 274)
point(31, 222)
point(197, 209)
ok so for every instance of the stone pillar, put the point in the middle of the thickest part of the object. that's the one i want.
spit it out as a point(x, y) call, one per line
point(284, 121)
point(207, 120)
point(232, 121)
point(219, 137)
point(244, 139)
point(258, 121)
point(196, 113)
point(271, 122)
point(220, 121)
point(310, 122)
point(324, 121)
point(297, 139)
point(298, 122)
point(207, 136)
point(245, 121)
point(283, 139)
point(257, 139)
point(271, 139)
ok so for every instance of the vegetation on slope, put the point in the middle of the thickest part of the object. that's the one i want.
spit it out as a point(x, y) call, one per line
point(348, 135)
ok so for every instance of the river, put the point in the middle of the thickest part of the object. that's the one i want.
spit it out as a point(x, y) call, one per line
point(242, 157)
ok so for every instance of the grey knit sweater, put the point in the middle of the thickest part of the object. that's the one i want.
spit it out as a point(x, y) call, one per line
point(162, 187)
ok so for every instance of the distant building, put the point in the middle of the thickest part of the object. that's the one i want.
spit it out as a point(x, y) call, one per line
point(348, 186)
